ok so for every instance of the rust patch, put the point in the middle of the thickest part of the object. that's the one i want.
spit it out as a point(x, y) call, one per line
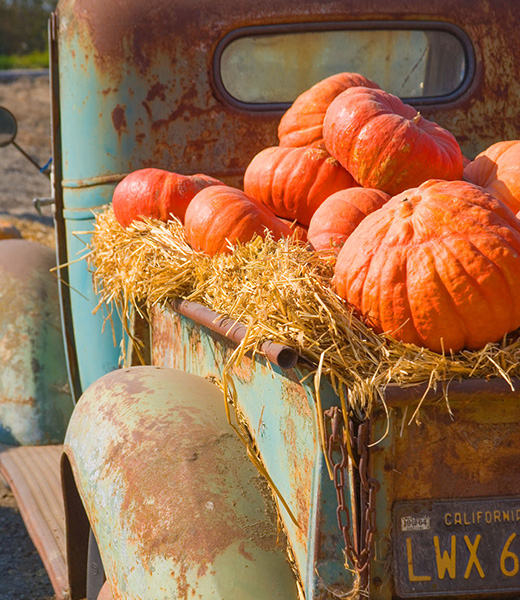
point(104, 387)
point(119, 119)
point(474, 454)
point(157, 90)
point(242, 550)
point(119, 30)
point(300, 468)
point(193, 346)
point(186, 108)
point(271, 536)
point(243, 370)
point(168, 349)
point(17, 400)
point(165, 528)
point(147, 108)
point(108, 91)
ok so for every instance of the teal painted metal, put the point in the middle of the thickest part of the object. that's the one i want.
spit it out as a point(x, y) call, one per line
point(35, 400)
point(137, 94)
point(176, 506)
point(281, 415)
point(92, 148)
point(97, 340)
point(86, 144)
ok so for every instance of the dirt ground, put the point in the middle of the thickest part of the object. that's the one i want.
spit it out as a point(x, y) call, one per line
point(23, 576)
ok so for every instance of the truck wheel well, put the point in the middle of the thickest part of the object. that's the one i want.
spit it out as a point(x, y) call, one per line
point(77, 529)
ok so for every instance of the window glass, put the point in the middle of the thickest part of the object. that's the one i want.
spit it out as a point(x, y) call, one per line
point(276, 68)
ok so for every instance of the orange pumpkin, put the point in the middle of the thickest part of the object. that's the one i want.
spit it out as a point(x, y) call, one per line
point(220, 216)
point(437, 266)
point(157, 194)
point(497, 170)
point(302, 124)
point(293, 182)
point(340, 214)
point(387, 144)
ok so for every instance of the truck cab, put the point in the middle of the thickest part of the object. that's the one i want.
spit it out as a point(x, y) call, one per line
point(150, 493)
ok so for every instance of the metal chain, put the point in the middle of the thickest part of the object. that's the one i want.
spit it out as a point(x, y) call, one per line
point(357, 548)
point(371, 487)
point(334, 445)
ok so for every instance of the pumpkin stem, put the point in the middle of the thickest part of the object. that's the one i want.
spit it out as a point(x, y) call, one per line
point(417, 118)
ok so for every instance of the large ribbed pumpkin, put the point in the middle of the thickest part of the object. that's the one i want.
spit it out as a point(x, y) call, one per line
point(340, 214)
point(157, 194)
point(497, 169)
point(221, 215)
point(293, 182)
point(437, 266)
point(302, 124)
point(386, 144)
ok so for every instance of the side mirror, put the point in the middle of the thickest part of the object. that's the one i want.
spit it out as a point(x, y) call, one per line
point(8, 130)
point(8, 127)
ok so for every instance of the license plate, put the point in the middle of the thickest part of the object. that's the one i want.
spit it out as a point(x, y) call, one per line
point(446, 548)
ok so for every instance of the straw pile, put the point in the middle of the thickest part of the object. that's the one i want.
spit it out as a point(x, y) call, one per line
point(281, 292)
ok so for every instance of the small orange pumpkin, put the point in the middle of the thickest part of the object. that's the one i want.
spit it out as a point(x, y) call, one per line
point(293, 182)
point(157, 194)
point(335, 220)
point(220, 216)
point(302, 124)
point(437, 266)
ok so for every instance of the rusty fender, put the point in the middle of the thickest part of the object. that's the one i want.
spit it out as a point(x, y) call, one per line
point(176, 506)
point(35, 399)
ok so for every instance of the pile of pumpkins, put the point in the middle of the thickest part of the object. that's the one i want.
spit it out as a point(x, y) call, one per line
point(426, 243)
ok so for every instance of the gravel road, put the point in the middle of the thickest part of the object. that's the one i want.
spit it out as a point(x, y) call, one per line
point(23, 576)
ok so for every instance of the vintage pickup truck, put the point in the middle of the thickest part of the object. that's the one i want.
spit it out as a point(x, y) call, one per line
point(157, 497)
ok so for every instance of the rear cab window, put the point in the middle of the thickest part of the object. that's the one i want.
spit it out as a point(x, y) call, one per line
point(262, 68)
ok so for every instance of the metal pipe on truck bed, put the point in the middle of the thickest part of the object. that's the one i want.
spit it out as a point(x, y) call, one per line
point(278, 354)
